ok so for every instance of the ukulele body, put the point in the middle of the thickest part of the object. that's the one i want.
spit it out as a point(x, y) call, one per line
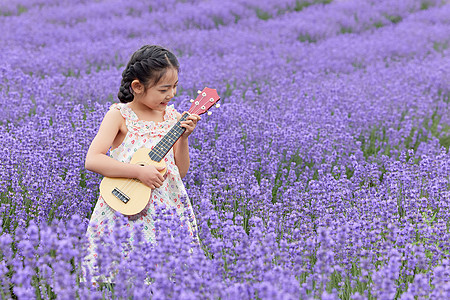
point(130, 196)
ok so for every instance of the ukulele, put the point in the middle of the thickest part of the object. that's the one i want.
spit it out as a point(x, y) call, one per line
point(130, 196)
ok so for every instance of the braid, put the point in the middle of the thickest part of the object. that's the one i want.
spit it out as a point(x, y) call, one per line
point(125, 95)
point(148, 65)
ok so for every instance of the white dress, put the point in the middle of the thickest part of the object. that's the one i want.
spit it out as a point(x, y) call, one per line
point(142, 134)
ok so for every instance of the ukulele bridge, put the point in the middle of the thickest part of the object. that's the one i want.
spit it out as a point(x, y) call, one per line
point(120, 195)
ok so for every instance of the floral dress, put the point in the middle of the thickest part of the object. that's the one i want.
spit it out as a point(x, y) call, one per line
point(142, 134)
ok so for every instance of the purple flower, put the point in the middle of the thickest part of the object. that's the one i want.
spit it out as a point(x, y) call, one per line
point(326, 164)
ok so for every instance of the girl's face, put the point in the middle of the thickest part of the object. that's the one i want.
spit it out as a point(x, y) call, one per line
point(158, 96)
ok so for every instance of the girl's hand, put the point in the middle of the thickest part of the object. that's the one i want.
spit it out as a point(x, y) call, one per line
point(150, 176)
point(190, 124)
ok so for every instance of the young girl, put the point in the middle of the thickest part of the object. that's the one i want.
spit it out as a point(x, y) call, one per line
point(149, 82)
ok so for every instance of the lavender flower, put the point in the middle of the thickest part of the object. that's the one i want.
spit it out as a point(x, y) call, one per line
point(323, 175)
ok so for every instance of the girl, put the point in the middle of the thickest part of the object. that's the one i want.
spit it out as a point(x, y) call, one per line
point(149, 82)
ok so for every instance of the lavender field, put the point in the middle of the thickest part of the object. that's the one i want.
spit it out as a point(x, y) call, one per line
point(325, 173)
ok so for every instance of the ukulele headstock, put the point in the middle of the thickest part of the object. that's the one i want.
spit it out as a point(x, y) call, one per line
point(204, 101)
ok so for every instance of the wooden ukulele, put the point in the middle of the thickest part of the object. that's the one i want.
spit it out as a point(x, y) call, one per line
point(130, 196)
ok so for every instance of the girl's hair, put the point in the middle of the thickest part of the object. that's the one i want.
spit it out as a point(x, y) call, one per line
point(148, 65)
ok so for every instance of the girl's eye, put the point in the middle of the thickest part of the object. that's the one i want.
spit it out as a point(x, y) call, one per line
point(163, 91)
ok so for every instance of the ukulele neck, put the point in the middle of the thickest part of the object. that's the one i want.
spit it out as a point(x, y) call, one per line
point(166, 143)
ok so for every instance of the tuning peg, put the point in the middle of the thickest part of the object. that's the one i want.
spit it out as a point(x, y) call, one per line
point(217, 105)
point(209, 113)
point(198, 92)
point(192, 100)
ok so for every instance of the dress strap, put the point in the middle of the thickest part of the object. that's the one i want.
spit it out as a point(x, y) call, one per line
point(127, 113)
point(131, 120)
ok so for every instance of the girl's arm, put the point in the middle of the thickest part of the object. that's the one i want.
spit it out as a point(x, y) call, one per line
point(97, 160)
point(181, 147)
point(181, 153)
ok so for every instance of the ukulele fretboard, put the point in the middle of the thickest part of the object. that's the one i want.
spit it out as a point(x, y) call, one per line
point(165, 144)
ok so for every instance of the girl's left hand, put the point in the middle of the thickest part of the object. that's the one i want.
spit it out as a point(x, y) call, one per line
point(190, 124)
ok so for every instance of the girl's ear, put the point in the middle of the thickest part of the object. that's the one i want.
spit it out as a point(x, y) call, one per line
point(137, 87)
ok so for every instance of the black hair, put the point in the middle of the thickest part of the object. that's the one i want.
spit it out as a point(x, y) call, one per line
point(148, 65)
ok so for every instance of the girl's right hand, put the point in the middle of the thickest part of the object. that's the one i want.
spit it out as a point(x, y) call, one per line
point(150, 176)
